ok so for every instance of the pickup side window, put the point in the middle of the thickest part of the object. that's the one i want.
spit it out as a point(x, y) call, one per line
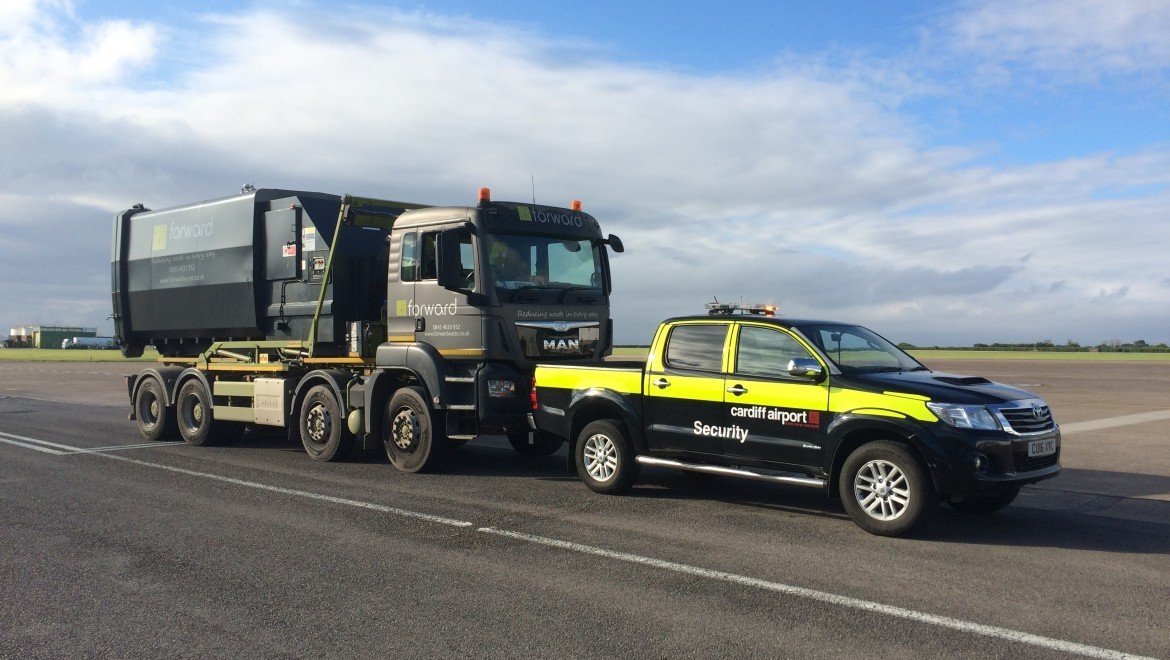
point(698, 347)
point(765, 352)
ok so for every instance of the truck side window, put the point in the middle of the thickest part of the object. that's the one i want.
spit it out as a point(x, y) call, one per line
point(766, 352)
point(696, 347)
point(467, 258)
point(409, 272)
point(427, 261)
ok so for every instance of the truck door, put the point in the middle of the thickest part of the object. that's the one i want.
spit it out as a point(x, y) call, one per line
point(784, 416)
point(401, 276)
point(684, 390)
point(442, 316)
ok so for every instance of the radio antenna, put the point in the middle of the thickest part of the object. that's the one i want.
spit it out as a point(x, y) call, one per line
point(533, 189)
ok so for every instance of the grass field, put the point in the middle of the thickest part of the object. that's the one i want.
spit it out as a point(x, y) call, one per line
point(927, 355)
point(60, 355)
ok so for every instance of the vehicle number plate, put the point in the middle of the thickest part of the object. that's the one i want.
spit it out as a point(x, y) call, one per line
point(590, 334)
point(1041, 448)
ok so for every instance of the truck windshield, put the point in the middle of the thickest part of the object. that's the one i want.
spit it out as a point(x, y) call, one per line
point(858, 350)
point(519, 263)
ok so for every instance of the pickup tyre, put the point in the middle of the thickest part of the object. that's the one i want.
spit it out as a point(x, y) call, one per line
point(604, 458)
point(885, 490)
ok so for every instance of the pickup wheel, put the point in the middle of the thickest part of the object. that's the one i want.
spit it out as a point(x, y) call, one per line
point(543, 443)
point(988, 503)
point(323, 430)
point(155, 420)
point(413, 443)
point(884, 489)
point(604, 458)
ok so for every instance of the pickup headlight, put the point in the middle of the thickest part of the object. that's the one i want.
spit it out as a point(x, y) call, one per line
point(964, 417)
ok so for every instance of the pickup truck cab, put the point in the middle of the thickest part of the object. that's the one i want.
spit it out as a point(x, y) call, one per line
point(817, 404)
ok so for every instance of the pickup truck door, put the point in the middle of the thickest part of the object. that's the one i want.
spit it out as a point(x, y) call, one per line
point(784, 416)
point(684, 389)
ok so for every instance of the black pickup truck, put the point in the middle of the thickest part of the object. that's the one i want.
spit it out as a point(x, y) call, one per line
point(817, 404)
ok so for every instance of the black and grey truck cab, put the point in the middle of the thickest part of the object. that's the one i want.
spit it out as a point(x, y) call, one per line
point(494, 288)
point(347, 318)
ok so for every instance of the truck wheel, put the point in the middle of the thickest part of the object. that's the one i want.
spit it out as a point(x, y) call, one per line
point(884, 489)
point(193, 414)
point(543, 443)
point(989, 503)
point(605, 460)
point(155, 420)
point(413, 443)
point(323, 430)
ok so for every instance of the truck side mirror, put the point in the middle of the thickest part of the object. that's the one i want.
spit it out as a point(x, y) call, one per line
point(450, 268)
point(615, 243)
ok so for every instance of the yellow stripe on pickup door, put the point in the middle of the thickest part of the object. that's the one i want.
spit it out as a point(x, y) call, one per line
point(873, 403)
point(625, 381)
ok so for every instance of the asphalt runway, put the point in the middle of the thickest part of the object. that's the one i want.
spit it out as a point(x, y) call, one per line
point(115, 549)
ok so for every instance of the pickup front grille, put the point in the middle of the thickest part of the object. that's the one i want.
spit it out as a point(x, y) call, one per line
point(1033, 419)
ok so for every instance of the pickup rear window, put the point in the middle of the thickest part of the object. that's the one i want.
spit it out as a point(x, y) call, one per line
point(696, 347)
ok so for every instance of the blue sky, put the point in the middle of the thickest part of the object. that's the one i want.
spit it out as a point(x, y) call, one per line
point(946, 172)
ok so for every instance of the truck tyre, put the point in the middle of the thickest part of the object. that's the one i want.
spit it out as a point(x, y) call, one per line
point(155, 420)
point(988, 503)
point(193, 414)
point(885, 490)
point(323, 429)
point(413, 442)
point(543, 443)
point(605, 460)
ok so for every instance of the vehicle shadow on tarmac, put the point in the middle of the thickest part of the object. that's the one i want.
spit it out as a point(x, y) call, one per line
point(1040, 518)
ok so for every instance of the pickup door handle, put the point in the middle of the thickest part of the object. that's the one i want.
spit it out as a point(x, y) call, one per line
point(737, 389)
point(661, 383)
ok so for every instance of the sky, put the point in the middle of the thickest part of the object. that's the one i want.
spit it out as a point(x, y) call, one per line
point(945, 173)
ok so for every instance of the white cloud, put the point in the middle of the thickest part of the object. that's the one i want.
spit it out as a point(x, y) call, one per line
point(1085, 37)
point(46, 55)
point(791, 186)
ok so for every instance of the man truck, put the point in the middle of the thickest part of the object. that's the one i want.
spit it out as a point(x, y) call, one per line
point(355, 321)
point(812, 404)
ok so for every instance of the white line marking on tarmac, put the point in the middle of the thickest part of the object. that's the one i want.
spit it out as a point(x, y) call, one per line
point(144, 445)
point(1110, 422)
point(26, 443)
point(822, 596)
point(296, 493)
point(778, 587)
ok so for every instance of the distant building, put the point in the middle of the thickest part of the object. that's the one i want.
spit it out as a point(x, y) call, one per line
point(34, 335)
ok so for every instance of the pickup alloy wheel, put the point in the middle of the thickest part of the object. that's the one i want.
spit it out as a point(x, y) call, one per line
point(604, 457)
point(885, 490)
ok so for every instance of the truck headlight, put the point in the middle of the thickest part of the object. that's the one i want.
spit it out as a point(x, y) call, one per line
point(964, 417)
point(499, 389)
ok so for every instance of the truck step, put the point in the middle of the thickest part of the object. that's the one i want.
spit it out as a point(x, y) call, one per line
point(792, 480)
point(460, 406)
point(453, 436)
point(459, 379)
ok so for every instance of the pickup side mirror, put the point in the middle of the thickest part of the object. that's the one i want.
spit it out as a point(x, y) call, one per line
point(615, 243)
point(805, 368)
point(450, 268)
